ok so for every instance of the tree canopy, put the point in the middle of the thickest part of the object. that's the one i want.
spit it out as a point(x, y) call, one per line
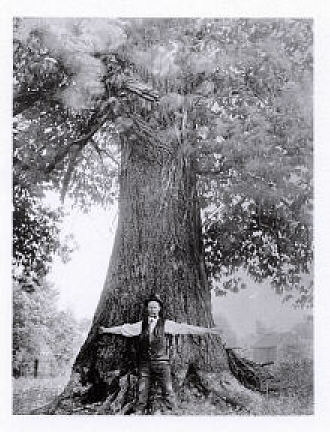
point(235, 95)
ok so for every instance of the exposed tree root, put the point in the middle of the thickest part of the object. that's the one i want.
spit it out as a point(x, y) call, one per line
point(219, 388)
point(252, 375)
point(224, 388)
point(232, 382)
point(122, 400)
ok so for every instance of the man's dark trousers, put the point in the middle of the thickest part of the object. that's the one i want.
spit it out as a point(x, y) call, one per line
point(155, 371)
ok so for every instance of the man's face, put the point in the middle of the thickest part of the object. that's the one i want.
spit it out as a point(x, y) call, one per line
point(153, 309)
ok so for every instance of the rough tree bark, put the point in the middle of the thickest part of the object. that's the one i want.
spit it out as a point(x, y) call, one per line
point(157, 248)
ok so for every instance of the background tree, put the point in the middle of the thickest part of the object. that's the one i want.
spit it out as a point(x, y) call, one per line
point(36, 230)
point(212, 118)
point(41, 332)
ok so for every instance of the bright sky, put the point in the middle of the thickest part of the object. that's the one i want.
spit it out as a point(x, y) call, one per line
point(80, 281)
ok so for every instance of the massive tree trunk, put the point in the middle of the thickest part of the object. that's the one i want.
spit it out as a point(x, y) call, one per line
point(158, 249)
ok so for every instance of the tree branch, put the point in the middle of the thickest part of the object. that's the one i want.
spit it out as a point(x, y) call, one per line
point(69, 171)
point(93, 125)
point(141, 89)
point(100, 151)
point(82, 141)
point(24, 100)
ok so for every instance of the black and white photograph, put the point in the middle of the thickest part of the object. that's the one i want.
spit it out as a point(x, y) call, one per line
point(162, 205)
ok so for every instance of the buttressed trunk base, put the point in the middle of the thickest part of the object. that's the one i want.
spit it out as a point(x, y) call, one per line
point(157, 249)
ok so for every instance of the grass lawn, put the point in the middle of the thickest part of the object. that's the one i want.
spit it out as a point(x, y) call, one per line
point(30, 393)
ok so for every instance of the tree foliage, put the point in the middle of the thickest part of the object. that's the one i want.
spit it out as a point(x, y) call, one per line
point(235, 95)
point(35, 236)
point(39, 328)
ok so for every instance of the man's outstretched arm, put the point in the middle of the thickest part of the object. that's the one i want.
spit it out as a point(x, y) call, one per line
point(173, 327)
point(127, 330)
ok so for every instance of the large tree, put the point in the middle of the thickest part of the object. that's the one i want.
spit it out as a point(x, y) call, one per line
point(205, 129)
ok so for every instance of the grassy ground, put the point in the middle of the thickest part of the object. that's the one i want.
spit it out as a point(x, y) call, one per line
point(30, 393)
point(270, 406)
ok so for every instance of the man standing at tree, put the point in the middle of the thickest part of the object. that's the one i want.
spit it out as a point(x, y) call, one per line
point(154, 360)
